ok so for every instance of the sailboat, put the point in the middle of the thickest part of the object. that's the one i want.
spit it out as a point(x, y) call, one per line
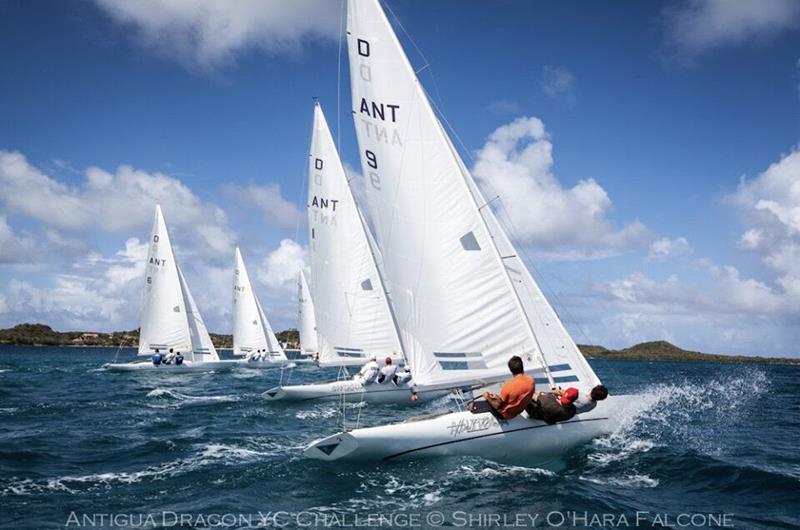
point(253, 337)
point(170, 320)
point(463, 299)
point(307, 323)
point(353, 316)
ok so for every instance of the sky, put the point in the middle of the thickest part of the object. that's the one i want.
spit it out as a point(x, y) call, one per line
point(645, 154)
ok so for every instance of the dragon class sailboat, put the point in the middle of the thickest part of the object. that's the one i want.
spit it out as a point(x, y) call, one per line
point(170, 319)
point(463, 299)
point(353, 317)
point(306, 322)
point(253, 337)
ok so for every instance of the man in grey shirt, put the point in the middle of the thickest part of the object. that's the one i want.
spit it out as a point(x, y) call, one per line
point(587, 402)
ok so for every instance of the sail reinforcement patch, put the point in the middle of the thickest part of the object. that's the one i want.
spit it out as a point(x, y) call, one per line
point(469, 242)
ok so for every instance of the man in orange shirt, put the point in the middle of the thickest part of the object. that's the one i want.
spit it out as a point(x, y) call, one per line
point(515, 394)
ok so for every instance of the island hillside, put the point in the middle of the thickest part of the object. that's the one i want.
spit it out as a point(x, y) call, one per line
point(43, 335)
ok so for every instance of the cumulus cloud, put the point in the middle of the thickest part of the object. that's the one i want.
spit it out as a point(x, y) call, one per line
point(113, 202)
point(13, 249)
point(516, 163)
point(100, 292)
point(268, 201)
point(207, 33)
point(557, 81)
point(281, 267)
point(697, 26)
point(666, 247)
point(720, 311)
point(771, 207)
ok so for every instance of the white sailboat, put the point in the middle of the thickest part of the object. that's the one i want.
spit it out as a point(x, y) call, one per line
point(352, 314)
point(305, 317)
point(170, 320)
point(253, 337)
point(463, 300)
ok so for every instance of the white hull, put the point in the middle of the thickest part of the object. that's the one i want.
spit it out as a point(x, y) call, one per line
point(520, 440)
point(186, 366)
point(244, 363)
point(351, 391)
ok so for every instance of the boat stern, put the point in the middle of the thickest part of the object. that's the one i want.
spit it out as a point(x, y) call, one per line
point(332, 448)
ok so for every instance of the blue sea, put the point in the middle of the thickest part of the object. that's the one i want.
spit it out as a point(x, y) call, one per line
point(709, 446)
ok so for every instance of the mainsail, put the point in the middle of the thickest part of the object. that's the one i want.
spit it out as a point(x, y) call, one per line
point(305, 317)
point(463, 300)
point(251, 329)
point(352, 315)
point(169, 317)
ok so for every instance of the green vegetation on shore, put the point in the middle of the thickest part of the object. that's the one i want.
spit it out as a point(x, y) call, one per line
point(42, 335)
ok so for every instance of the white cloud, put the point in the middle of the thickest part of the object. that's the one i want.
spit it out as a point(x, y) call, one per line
point(701, 25)
point(666, 247)
point(112, 202)
point(516, 163)
point(99, 293)
point(719, 312)
point(771, 207)
point(269, 202)
point(282, 265)
point(13, 249)
point(206, 33)
point(557, 81)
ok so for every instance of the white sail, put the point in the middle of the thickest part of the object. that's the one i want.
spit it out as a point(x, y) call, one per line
point(305, 317)
point(352, 315)
point(273, 348)
point(163, 319)
point(202, 347)
point(458, 311)
point(251, 329)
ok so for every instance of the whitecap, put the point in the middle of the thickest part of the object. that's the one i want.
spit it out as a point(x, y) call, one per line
point(627, 481)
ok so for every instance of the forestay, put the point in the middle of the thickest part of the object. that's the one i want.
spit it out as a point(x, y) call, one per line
point(305, 317)
point(459, 313)
point(352, 315)
point(251, 329)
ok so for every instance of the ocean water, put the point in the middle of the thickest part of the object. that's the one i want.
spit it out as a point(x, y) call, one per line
point(710, 446)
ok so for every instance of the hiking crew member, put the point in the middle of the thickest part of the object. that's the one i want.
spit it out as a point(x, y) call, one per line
point(514, 396)
point(178, 359)
point(553, 407)
point(156, 358)
point(587, 402)
point(403, 376)
point(387, 372)
point(170, 357)
point(369, 372)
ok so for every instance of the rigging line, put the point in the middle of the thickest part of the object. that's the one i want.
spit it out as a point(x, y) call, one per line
point(506, 219)
point(427, 64)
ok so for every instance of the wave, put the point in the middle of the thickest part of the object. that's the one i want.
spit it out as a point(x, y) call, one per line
point(627, 481)
point(210, 454)
point(690, 415)
point(173, 395)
